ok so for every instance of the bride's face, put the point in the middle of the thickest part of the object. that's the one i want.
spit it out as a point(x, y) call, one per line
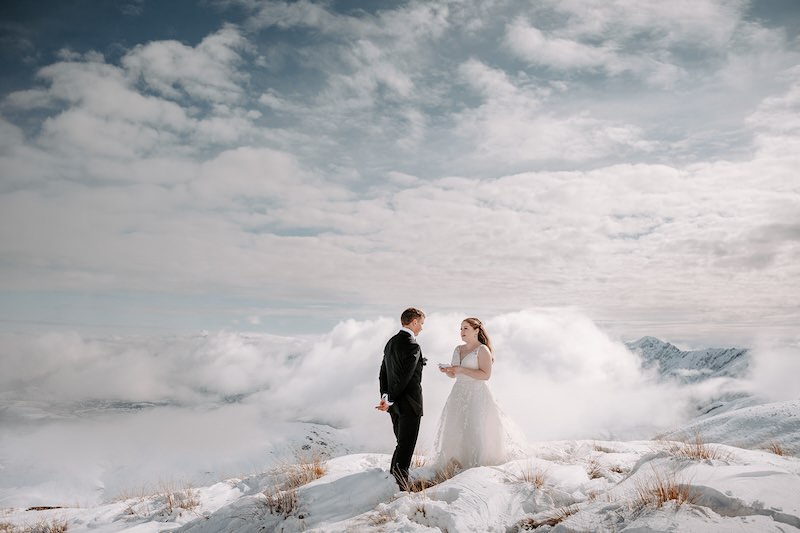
point(468, 333)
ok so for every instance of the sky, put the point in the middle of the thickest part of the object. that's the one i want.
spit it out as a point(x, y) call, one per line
point(283, 166)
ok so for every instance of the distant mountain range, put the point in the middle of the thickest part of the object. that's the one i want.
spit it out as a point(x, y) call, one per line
point(690, 366)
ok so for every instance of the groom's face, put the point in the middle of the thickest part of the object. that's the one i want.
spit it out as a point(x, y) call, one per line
point(416, 325)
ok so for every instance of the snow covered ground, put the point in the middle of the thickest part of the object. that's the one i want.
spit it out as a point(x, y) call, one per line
point(562, 486)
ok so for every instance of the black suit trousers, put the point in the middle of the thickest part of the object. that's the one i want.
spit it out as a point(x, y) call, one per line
point(406, 430)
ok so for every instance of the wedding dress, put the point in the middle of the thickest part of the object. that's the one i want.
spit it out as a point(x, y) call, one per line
point(473, 431)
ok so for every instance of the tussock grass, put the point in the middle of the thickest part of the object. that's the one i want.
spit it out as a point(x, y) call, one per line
point(776, 448)
point(593, 469)
point(165, 499)
point(306, 467)
point(186, 498)
point(441, 475)
point(527, 474)
point(660, 488)
point(281, 502)
point(419, 459)
point(281, 498)
point(53, 526)
point(696, 448)
point(550, 519)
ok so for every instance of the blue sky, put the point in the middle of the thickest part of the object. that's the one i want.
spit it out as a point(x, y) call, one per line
point(281, 166)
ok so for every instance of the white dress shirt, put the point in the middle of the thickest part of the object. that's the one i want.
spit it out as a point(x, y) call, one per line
point(413, 336)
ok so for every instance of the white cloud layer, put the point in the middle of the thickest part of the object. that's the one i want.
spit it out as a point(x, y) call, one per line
point(556, 373)
point(633, 161)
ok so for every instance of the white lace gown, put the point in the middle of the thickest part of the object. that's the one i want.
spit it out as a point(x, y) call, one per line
point(473, 431)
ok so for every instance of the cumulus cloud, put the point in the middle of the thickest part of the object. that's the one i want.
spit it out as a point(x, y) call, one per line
point(532, 44)
point(100, 109)
point(207, 72)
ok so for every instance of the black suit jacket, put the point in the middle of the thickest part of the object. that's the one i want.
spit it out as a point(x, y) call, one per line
point(401, 374)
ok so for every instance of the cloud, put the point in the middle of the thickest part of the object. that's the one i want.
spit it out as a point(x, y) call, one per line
point(207, 72)
point(773, 368)
point(512, 123)
point(414, 139)
point(530, 43)
point(776, 119)
point(645, 39)
point(707, 23)
point(551, 366)
point(101, 110)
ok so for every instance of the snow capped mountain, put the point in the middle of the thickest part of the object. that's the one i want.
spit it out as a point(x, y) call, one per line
point(690, 366)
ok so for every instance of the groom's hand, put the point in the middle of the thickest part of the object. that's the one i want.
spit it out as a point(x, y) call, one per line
point(385, 403)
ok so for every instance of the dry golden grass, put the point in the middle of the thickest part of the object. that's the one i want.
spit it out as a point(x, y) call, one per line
point(551, 519)
point(53, 526)
point(281, 502)
point(527, 474)
point(419, 459)
point(441, 475)
point(281, 499)
point(166, 499)
point(661, 488)
point(696, 448)
point(186, 498)
point(593, 469)
point(306, 468)
point(776, 448)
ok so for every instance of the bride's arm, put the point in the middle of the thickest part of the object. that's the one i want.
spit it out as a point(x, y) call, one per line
point(484, 363)
point(448, 370)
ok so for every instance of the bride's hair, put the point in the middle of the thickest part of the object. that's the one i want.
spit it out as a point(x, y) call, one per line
point(483, 337)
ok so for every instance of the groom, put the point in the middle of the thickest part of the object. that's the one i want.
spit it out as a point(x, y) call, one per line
point(401, 390)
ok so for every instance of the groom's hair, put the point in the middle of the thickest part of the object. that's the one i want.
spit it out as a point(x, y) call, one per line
point(410, 314)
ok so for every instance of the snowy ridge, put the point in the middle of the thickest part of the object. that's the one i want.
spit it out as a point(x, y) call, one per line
point(690, 366)
point(754, 427)
point(583, 486)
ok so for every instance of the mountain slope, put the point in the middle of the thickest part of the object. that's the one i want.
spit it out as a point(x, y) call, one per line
point(690, 366)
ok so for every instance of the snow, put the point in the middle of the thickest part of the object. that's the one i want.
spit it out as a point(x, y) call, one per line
point(693, 365)
point(755, 426)
point(591, 485)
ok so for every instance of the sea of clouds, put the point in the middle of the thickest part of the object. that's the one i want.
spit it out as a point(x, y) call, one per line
point(221, 404)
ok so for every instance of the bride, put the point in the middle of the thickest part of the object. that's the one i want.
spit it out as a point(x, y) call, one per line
point(473, 431)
